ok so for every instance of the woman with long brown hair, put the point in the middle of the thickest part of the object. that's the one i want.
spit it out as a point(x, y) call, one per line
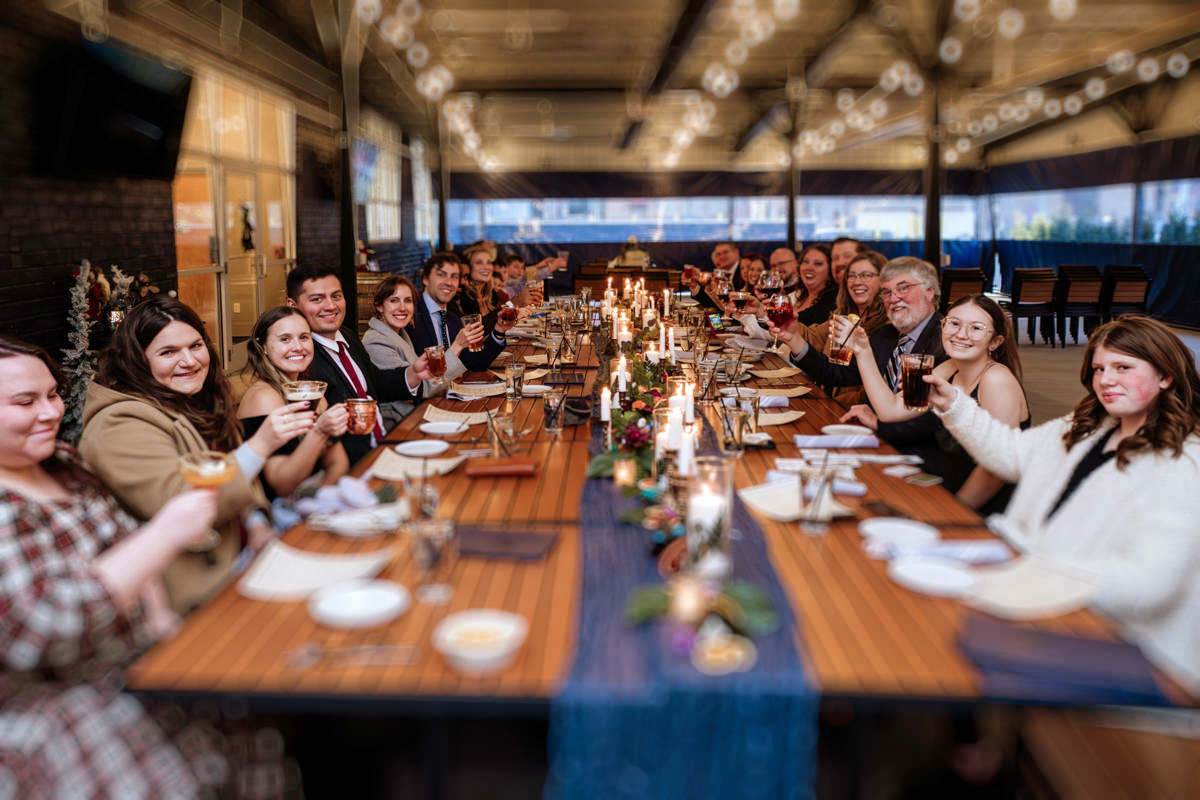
point(280, 350)
point(983, 361)
point(159, 393)
point(475, 294)
point(817, 293)
point(1110, 489)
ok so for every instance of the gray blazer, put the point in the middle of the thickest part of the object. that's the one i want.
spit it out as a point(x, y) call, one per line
point(389, 349)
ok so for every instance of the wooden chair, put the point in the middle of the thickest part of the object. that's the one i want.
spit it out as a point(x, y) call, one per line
point(961, 282)
point(1033, 298)
point(1124, 291)
point(1077, 296)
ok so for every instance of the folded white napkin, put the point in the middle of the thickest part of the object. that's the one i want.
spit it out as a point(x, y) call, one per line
point(782, 372)
point(1030, 587)
point(764, 401)
point(537, 358)
point(435, 414)
point(780, 501)
point(391, 466)
point(841, 484)
point(283, 573)
point(967, 551)
point(778, 417)
point(790, 391)
point(530, 374)
point(475, 390)
point(836, 441)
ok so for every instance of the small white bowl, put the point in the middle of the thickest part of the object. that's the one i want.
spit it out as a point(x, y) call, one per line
point(358, 603)
point(480, 641)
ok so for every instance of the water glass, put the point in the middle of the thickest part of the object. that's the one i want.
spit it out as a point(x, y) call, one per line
point(434, 549)
point(552, 411)
point(736, 422)
point(749, 400)
point(514, 381)
point(503, 433)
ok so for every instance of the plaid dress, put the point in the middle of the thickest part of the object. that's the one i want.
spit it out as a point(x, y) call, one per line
point(66, 730)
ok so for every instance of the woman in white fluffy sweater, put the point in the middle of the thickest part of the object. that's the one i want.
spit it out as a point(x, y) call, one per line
point(1113, 488)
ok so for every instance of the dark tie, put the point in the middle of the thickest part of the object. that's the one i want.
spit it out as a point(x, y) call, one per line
point(893, 368)
point(442, 328)
point(348, 366)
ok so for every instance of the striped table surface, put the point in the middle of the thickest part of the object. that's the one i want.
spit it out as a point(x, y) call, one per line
point(861, 635)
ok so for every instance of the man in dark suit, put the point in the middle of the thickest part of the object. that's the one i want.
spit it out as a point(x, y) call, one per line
point(909, 289)
point(725, 256)
point(434, 324)
point(340, 359)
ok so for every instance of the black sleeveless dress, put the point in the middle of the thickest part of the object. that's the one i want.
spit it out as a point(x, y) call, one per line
point(250, 426)
point(957, 462)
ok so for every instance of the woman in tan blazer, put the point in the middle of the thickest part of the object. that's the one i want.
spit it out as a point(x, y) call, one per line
point(158, 393)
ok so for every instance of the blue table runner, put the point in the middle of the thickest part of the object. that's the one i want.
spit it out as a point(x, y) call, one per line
point(637, 720)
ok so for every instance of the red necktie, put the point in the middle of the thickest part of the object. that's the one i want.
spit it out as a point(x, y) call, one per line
point(348, 366)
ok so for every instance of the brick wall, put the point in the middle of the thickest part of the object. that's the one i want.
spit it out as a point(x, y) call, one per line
point(318, 187)
point(47, 225)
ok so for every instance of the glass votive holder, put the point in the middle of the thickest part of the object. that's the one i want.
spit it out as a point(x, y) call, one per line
point(625, 472)
point(709, 516)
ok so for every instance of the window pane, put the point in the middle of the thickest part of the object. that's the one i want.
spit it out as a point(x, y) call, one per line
point(759, 218)
point(1095, 214)
point(198, 122)
point(865, 217)
point(233, 126)
point(960, 217)
point(607, 219)
point(1170, 212)
point(462, 221)
point(422, 191)
point(271, 144)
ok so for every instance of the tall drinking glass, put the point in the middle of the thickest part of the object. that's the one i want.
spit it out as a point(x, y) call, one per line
point(514, 381)
point(552, 411)
point(435, 355)
point(435, 550)
point(709, 513)
point(468, 320)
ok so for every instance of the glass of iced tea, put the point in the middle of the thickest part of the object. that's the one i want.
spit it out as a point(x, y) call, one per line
point(362, 415)
point(835, 349)
point(507, 312)
point(472, 319)
point(740, 300)
point(913, 369)
point(690, 274)
point(435, 356)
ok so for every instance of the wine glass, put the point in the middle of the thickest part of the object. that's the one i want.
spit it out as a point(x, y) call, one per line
point(207, 469)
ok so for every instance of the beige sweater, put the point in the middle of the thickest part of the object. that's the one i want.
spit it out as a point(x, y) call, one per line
point(134, 446)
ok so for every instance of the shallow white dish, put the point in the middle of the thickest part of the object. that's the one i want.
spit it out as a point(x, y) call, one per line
point(442, 428)
point(756, 438)
point(687, 301)
point(939, 577)
point(480, 641)
point(899, 531)
point(534, 389)
point(422, 448)
point(847, 430)
point(358, 603)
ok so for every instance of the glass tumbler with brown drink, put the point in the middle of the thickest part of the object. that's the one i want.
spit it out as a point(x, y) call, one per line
point(473, 319)
point(913, 369)
point(836, 349)
point(435, 356)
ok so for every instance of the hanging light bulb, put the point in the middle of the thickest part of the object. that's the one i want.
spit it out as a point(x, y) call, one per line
point(1177, 65)
point(1010, 23)
point(1148, 70)
point(1062, 10)
point(1072, 104)
point(1052, 108)
point(368, 11)
point(1094, 88)
point(845, 100)
point(950, 50)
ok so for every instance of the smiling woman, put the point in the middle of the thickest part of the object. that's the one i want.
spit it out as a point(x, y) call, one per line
point(158, 394)
point(281, 350)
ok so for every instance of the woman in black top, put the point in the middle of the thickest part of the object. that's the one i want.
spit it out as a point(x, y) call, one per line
point(475, 293)
point(281, 349)
point(815, 298)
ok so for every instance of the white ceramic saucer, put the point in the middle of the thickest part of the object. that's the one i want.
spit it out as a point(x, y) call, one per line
point(898, 531)
point(847, 430)
point(442, 428)
point(534, 389)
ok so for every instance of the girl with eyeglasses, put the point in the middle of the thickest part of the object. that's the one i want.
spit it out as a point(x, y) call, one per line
point(983, 362)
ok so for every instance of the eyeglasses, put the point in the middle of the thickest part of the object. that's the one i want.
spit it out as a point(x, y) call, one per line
point(862, 276)
point(976, 331)
point(902, 289)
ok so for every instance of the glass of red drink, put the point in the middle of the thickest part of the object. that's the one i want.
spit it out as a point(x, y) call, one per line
point(508, 313)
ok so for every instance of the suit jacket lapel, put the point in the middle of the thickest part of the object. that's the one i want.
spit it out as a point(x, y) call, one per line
point(327, 367)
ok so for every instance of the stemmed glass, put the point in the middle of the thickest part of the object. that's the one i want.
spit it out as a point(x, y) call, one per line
point(207, 469)
point(770, 288)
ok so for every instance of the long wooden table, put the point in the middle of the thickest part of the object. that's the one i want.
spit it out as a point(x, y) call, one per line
point(862, 636)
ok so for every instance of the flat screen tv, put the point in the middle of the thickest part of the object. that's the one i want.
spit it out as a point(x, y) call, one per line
point(103, 110)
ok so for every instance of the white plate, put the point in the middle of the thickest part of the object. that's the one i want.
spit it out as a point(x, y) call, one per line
point(847, 430)
point(534, 389)
point(358, 604)
point(899, 531)
point(480, 641)
point(442, 428)
point(939, 577)
point(687, 301)
point(422, 448)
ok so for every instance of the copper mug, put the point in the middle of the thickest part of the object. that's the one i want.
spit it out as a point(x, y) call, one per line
point(362, 415)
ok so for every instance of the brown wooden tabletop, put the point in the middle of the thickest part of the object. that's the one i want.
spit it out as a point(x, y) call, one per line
point(861, 634)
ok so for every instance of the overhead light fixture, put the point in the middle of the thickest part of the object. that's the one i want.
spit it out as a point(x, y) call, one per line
point(1148, 70)
point(368, 11)
point(1072, 104)
point(1120, 61)
point(966, 10)
point(736, 52)
point(1035, 97)
point(409, 11)
point(1094, 88)
point(786, 9)
point(1052, 108)
point(878, 108)
point(1062, 10)
point(950, 50)
point(719, 79)
point(914, 84)
point(990, 123)
point(417, 55)
point(1010, 23)
point(396, 32)
point(1177, 65)
point(845, 100)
